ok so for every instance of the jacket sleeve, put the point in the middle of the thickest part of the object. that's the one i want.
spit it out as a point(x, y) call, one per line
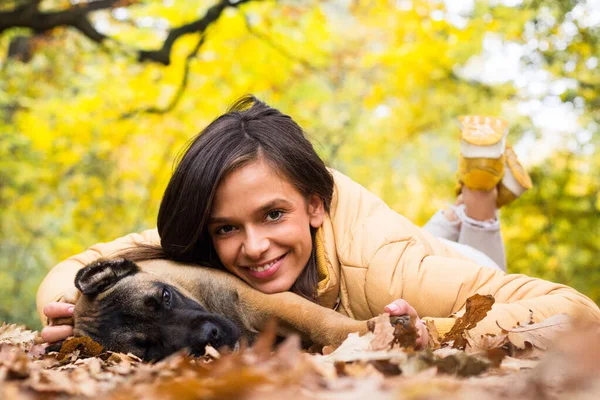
point(438, 286)
point(59, 284)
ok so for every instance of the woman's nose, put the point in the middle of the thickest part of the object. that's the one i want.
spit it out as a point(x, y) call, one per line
point(255, 245)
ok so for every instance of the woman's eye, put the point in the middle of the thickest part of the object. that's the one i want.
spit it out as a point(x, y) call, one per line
point(274, 215)
point(225, 230)
point(166, 297)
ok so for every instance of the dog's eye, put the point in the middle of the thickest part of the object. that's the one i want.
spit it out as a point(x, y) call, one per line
point(166, 297)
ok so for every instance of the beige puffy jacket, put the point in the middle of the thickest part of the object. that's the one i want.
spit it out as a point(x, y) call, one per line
point(368, 255)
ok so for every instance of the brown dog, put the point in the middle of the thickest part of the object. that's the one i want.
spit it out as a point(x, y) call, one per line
point(153, 312)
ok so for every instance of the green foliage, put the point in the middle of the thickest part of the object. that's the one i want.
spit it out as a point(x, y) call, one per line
point(377, 87)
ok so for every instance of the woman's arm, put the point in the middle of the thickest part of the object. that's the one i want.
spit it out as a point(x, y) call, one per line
point(384, 257)
point(438, 286)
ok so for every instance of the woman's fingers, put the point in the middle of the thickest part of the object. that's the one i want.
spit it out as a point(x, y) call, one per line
point(57, 333)
point(58, 310)
point(55, 312)
point(423, 338)
point(401, 307)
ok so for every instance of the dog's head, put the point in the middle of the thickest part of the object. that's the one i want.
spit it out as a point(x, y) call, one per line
point(127, 310)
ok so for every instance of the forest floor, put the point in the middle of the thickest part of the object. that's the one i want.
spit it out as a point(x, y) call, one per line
point(547, 360)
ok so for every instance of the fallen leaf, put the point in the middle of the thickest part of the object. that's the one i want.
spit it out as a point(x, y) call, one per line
point(571, 366)
point(289, 352)
point(383, 332)
point(263, 346)
point(386, 367)
point(17, 335)
point(476, 309)
point(405, 333)
point(14, 362)
point(51, 381)
point(357, 348)
point(84, 346)
point(485, 342)
point(434, 336)
point(459, 362)
point(517, 364)
point(540, 335)
point(211, 352)
point(495, 356)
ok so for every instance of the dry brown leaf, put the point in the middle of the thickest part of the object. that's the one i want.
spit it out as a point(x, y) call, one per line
point(120, 365)
point(455, 362)
point(359, 370)
point(476, 309)
point(14, 362)
point(571, 367)
point(485, 342)
point(434, 336)
point(540, 335)
point(17, 335)
point(211, 352)
point(289, 352)
point(383, 332)
point(263, 346)
point(517, 364)
point(495, 356)
point(405, 333)
point(357, 348)
point(84, 346)
point(51, 381)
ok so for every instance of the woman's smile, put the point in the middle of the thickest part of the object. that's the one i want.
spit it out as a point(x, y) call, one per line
point(266, 270)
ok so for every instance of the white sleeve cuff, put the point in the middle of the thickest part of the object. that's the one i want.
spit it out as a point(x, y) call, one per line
point(487, 225)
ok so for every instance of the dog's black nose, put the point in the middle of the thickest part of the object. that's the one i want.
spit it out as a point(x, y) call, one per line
point(210, 332)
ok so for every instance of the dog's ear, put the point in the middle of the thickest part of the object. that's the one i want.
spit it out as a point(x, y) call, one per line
point(100, 275)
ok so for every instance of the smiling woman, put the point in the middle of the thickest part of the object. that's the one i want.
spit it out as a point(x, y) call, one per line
point(253, 192)
point(251, 196)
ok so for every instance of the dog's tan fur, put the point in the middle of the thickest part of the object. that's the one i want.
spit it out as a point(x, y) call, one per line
point(225, 294)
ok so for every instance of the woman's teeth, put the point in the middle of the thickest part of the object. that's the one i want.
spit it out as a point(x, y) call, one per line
point(265, 267)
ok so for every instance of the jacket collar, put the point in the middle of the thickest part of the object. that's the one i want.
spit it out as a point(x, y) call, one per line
point(327, 266)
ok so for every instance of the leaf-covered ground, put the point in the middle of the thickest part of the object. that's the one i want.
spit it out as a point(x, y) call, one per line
point(530, 361)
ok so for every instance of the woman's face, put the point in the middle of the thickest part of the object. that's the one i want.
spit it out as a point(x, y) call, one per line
point(260, 227)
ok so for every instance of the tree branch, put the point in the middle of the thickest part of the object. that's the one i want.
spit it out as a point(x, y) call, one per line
point(29, 16)
point(180, 90)
point(163, 55)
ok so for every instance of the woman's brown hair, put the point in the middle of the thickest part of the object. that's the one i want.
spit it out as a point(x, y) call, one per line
point(249, 130)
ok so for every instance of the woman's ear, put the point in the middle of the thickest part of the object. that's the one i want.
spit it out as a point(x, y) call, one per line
point(316, 211)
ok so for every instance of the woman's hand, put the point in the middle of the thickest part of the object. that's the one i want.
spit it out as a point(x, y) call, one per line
point(57, 314)
point(401, 307)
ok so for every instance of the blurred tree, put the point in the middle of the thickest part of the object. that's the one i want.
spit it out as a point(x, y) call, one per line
point(554, 232)
point(91, 117)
